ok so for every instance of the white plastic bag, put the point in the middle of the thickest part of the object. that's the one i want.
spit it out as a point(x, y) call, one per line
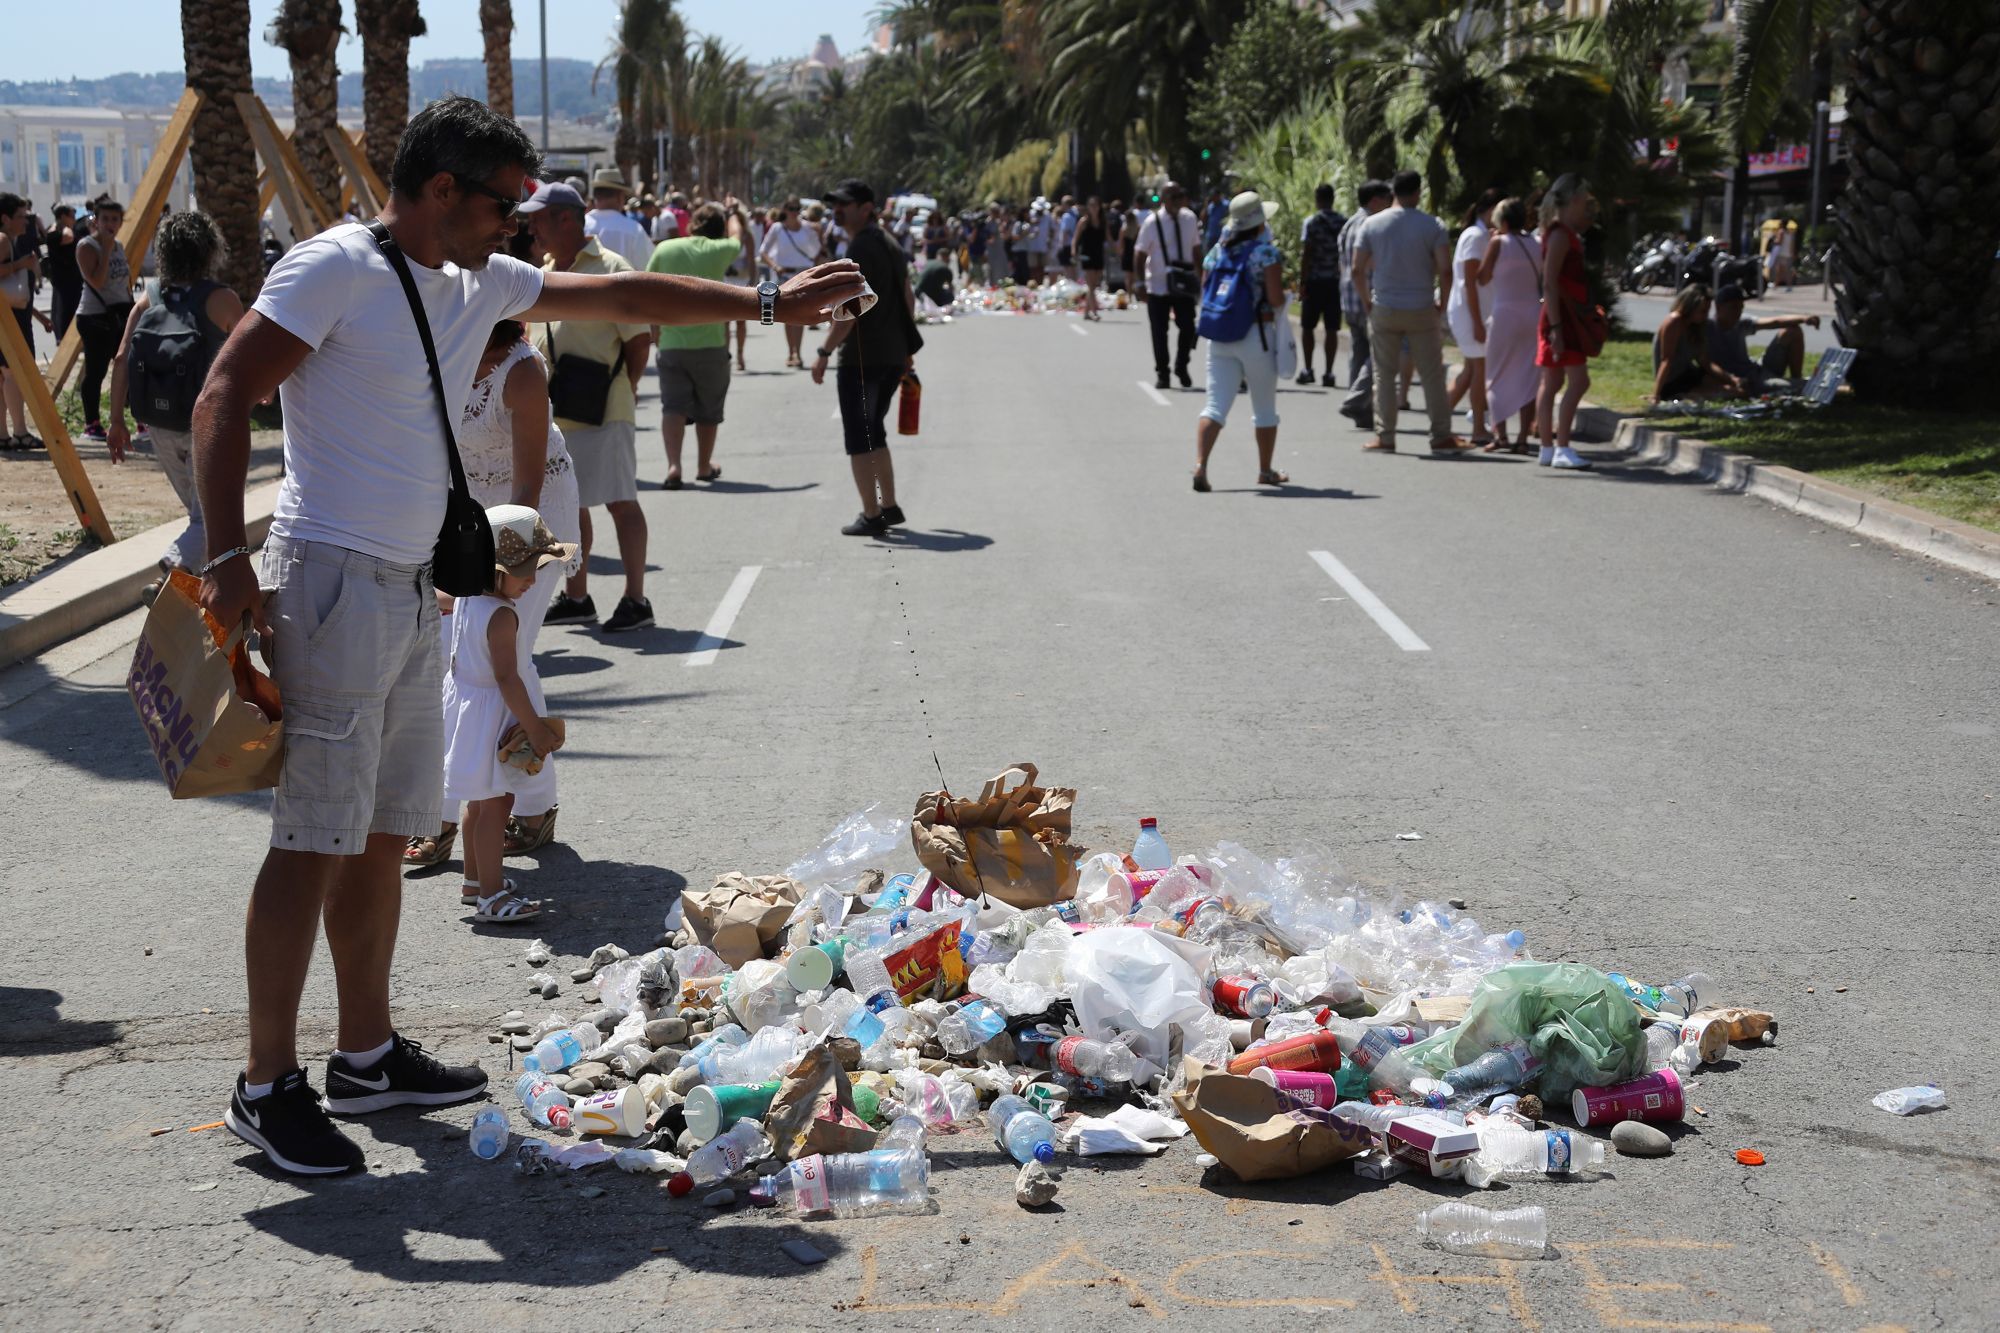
point(1909, 1101)
point(1134, 982)
point(865, 838)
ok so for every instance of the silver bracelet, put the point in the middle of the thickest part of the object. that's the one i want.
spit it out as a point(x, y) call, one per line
point(224, 559)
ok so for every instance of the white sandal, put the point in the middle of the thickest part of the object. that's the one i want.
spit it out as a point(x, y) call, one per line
point(504, 909)
point(469, 893)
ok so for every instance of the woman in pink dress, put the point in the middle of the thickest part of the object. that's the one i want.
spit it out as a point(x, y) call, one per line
point(1510, 278)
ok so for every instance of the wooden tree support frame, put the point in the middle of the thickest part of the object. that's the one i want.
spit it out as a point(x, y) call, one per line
point(62, 450)
point(142, 216)
point(303, 206)
point(372, 195)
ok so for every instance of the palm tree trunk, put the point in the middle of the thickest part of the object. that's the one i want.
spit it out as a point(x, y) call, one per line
point(1916, 283)
point(215, 42)
point(496, 24)
point(309, 31)
point(386, 27)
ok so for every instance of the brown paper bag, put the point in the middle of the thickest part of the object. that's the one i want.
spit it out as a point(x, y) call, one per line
point(741, 917)
point(1241, 1122)
point(212, 719)
point(1012, 843)
point(814, 1110)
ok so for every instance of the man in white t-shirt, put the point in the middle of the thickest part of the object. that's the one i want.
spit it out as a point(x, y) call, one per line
point(1158, 251)
point(615, 229)
point(345, 602)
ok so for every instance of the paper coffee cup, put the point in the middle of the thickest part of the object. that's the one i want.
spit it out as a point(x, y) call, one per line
point(711, 1110)
point(815, 966)
point(1657, 1096)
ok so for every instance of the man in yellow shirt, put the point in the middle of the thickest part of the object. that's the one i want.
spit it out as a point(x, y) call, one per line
point(594, 371)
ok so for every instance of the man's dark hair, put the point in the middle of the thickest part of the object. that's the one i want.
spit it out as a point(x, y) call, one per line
point(464, 137)
point(710, 220)
point(10, 204)
point(1370, 191)
point(1323, 196)
point(1407, 184)
point(108, 206)
point(190, 246)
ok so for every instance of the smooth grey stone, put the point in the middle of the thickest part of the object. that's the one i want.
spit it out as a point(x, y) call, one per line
point(1636, 1138)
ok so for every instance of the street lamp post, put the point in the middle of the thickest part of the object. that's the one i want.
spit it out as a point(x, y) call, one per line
point(1820, 114)
point(545, 76)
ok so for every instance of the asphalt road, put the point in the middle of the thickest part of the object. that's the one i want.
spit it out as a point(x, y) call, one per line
point(1654, 726)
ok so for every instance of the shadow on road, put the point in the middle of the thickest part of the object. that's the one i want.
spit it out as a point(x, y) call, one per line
point(724, 486)
point(29, 1017)
point(943, 540)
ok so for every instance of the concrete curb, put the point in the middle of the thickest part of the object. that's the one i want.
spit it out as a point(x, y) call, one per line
point(1960, 545)
point(91, 589)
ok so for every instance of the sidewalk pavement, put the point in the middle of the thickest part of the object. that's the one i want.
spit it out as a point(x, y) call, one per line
point(85, 591)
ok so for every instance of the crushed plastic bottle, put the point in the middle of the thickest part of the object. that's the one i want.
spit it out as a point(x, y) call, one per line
point(1500, 1070)
point(906, 1131)
point(1909, 1101)
point(722, 1157)
point(729, 1034)
point(971, 1026)
point(1503, 1233)
point(882, 1183)
point(559, 1050)
point(489, 1133)
point(1104, 1061)
point(545, 1103)
point(1024, 1132)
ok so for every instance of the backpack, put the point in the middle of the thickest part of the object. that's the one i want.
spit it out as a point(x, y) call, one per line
point(1231, 297)
point(171, 352)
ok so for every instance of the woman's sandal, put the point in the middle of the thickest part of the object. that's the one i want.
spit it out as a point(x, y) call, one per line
point(1486, 443)
point(431, 848)
point(505, 909)
point(1270, 476)
point(521, 839)
point(713, 474)
point(1201, 482)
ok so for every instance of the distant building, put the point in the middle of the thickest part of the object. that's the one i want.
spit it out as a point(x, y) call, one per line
point(74, 153)
point(808, 77)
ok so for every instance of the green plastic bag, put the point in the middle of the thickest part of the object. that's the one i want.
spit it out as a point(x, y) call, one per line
point(1575, 1019)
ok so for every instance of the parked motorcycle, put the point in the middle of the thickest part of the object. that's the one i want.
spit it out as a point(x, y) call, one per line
point(1712, 265)
point(1652, 264)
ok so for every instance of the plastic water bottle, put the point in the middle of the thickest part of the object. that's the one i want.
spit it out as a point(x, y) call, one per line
point(560, 1050)
point(489, 1133)
point(729, 1034)
point(973, 1025)
point(881, 1183)
point(1497, 1071)
point(906, 1132)
point(868, 977)
point(1508, 1151)
point(723, 1156)
point(545, 1103)
point(1150, 852)
point(1506, 1233)
point(1024, 1132)
point(1376, 1118)
point(1689, 995)
point(1105, 1061)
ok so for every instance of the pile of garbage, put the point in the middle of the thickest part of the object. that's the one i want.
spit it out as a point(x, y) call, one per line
point(800, 1036)
point(1057, 295)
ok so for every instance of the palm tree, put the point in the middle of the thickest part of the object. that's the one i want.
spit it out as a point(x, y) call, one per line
point(215, 42)
point(496, 25)
point(310, 32)
point(1916, 285)
point(650, 44)
point(386, 28)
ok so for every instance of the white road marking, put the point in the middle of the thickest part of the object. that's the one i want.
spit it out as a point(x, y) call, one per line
point(1079, 330)
point(1391, 623)
point(1153, 394)
point(711, 640)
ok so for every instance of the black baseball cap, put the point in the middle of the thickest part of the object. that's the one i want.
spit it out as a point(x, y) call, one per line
point(850, 192)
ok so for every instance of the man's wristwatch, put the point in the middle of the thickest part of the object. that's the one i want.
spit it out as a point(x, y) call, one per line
point(767, 302)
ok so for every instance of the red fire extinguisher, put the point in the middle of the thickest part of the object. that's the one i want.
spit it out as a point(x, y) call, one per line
point(912, 395)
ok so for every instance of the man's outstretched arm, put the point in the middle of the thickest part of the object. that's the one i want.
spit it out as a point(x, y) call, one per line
point(667, 298)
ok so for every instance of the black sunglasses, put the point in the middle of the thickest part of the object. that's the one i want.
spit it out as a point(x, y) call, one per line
point(507, 205)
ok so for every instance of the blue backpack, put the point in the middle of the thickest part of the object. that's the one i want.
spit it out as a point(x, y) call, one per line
point(1231, 296)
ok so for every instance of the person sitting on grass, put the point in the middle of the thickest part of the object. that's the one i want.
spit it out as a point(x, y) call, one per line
point(1784, 362)
point(1683, 352)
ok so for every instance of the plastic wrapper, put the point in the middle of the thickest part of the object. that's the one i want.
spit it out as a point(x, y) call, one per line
point(1576, 1021)
point(866, 839)
point(1134, 983)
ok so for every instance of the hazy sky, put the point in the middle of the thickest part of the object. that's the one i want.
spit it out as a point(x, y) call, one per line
point(43, 41)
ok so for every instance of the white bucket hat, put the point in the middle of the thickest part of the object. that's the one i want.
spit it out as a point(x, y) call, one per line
point(1248, 212)
point(522, 543)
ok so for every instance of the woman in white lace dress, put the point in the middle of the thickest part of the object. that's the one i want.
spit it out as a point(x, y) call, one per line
point(514, 454)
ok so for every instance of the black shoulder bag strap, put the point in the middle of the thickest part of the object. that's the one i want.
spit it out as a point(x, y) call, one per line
point(462, 561)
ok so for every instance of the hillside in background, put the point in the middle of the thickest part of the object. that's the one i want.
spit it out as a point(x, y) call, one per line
point(569, 88)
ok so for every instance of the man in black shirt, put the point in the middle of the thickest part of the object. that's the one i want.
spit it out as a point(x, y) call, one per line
point(875, 351)
point(65, 282)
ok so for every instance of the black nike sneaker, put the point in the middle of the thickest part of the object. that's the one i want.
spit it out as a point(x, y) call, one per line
point(407, 1076)
point(292, 1129)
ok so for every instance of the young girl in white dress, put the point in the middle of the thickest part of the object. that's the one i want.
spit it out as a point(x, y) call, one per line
point(490, 686)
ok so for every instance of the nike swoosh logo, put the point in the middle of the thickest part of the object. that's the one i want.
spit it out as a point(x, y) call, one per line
point(256, 1120)
point(379, 1084)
